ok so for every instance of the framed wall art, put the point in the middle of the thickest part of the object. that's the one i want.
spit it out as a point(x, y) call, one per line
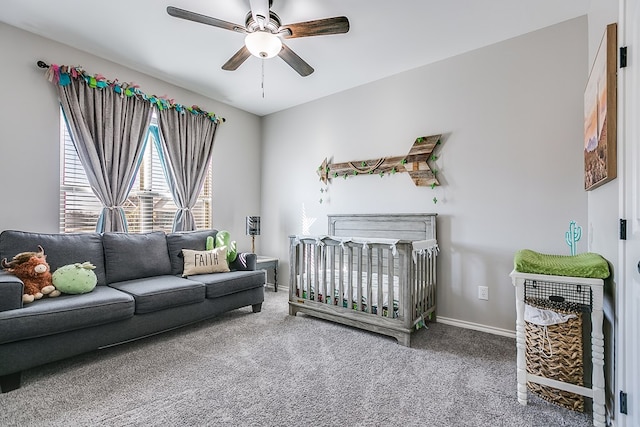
point(600, 115)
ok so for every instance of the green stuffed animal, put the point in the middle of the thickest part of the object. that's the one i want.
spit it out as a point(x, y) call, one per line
point(223, 238)
point(75, 278)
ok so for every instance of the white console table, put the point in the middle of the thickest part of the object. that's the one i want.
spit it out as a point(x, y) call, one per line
point(596, 392)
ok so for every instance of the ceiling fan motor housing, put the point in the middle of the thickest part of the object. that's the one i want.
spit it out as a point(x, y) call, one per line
point(272, 26)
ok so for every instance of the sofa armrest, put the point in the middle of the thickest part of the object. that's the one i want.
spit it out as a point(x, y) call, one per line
point(11, 290)
point(246, 261)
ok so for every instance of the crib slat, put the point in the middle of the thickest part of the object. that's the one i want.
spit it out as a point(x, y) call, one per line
point(359, 276)
point(418, 272)
point(425, 283)
point(426, 274)
point(390, 283)
point(323, 274)
point(313, 272)
point(404, 300)
point(341, 276)
point(322, 281)
point(432, 280)
point(310, 257)
point(301, 268)
point(369, 269)
point(349, 276)
point(421, 290)
point(321, 289)
point(330, 269)
point(427, 289)
point(380, 282)
point(430, 262)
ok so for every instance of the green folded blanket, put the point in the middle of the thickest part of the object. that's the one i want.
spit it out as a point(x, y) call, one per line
point(582, 265)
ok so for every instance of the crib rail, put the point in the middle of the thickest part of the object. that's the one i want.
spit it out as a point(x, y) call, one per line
point(383, 283)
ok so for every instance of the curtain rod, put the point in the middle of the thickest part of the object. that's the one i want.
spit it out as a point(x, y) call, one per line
point(43, 64)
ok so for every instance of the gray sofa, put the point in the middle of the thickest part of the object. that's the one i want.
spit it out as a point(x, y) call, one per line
point(140, 292)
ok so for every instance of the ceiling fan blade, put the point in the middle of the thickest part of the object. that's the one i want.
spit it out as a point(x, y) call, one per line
point(319, 27)
point(294, 61)
point(237, 59)
point(260, 12)
point(203, 19)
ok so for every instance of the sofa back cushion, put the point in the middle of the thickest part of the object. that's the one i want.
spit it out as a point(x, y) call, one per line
point(194, 240)
point(60, 248)
point(133, 256)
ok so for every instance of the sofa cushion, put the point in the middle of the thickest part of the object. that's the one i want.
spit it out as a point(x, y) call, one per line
point(49, 316)
point(61, 249)
point(194, 240)
point(132, 256)
point(160, 292)
point(221, 284)
point(201, 262)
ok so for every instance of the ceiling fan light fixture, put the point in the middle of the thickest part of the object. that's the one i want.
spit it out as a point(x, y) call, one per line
point(263, 44)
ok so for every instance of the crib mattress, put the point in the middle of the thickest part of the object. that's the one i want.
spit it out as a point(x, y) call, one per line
point(587, 264)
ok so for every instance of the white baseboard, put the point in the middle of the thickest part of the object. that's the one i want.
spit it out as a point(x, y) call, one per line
point(476, 326)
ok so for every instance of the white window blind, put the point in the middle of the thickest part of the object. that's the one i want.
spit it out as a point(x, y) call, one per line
point(149, 206)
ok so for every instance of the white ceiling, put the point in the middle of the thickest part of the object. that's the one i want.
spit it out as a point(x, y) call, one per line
point(385, 38)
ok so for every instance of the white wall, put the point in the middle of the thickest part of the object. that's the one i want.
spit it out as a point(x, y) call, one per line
point(602, 207)
point(511, 161)
point(30, 149)
point(603, 201)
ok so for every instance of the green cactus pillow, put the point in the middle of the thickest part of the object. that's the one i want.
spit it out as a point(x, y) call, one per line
point(75, 278)
point(223, 238)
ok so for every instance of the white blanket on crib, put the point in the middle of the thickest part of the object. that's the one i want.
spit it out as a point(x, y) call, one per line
point(365, 242)
point(419, 247)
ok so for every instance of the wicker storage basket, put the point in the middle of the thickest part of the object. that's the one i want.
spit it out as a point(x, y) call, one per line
point(556, 353)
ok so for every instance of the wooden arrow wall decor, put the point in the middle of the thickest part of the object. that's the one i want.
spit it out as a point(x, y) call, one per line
point(415, 163)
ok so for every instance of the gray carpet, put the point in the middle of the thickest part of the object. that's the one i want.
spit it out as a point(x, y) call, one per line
point(277, 370)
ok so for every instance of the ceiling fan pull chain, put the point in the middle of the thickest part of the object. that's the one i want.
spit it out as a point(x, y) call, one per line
point(262, 83)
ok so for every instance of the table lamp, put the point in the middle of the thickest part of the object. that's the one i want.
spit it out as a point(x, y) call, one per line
point(253, 230)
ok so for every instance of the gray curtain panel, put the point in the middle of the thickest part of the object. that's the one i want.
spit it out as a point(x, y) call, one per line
point(109, 132)
point(187, 145)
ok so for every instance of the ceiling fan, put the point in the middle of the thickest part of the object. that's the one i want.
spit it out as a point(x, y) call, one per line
point(264, 34)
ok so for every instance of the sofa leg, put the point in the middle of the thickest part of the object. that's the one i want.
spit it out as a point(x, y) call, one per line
point(10, 382)
point(257, 308)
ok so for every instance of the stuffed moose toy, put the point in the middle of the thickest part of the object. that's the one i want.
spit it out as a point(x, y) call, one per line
point(32, 268)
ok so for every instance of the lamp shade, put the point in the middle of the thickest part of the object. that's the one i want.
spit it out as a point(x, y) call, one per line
point(253, 225)
point(263, 44)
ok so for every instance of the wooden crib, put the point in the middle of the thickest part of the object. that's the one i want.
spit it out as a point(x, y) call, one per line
point(374, 272)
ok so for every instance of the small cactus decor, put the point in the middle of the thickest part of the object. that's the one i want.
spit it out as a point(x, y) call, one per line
point(75, 278)
point(572, 236)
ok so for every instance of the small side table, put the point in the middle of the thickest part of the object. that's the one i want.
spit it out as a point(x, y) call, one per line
point(570, 286)
point(268, 263)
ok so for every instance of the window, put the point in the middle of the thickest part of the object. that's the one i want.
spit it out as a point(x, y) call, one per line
point(149, 206)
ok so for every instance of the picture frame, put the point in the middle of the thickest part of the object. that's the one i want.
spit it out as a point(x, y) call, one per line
point(600, 114)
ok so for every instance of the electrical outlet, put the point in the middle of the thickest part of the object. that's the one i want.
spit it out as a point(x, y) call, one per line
point(483, 292)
